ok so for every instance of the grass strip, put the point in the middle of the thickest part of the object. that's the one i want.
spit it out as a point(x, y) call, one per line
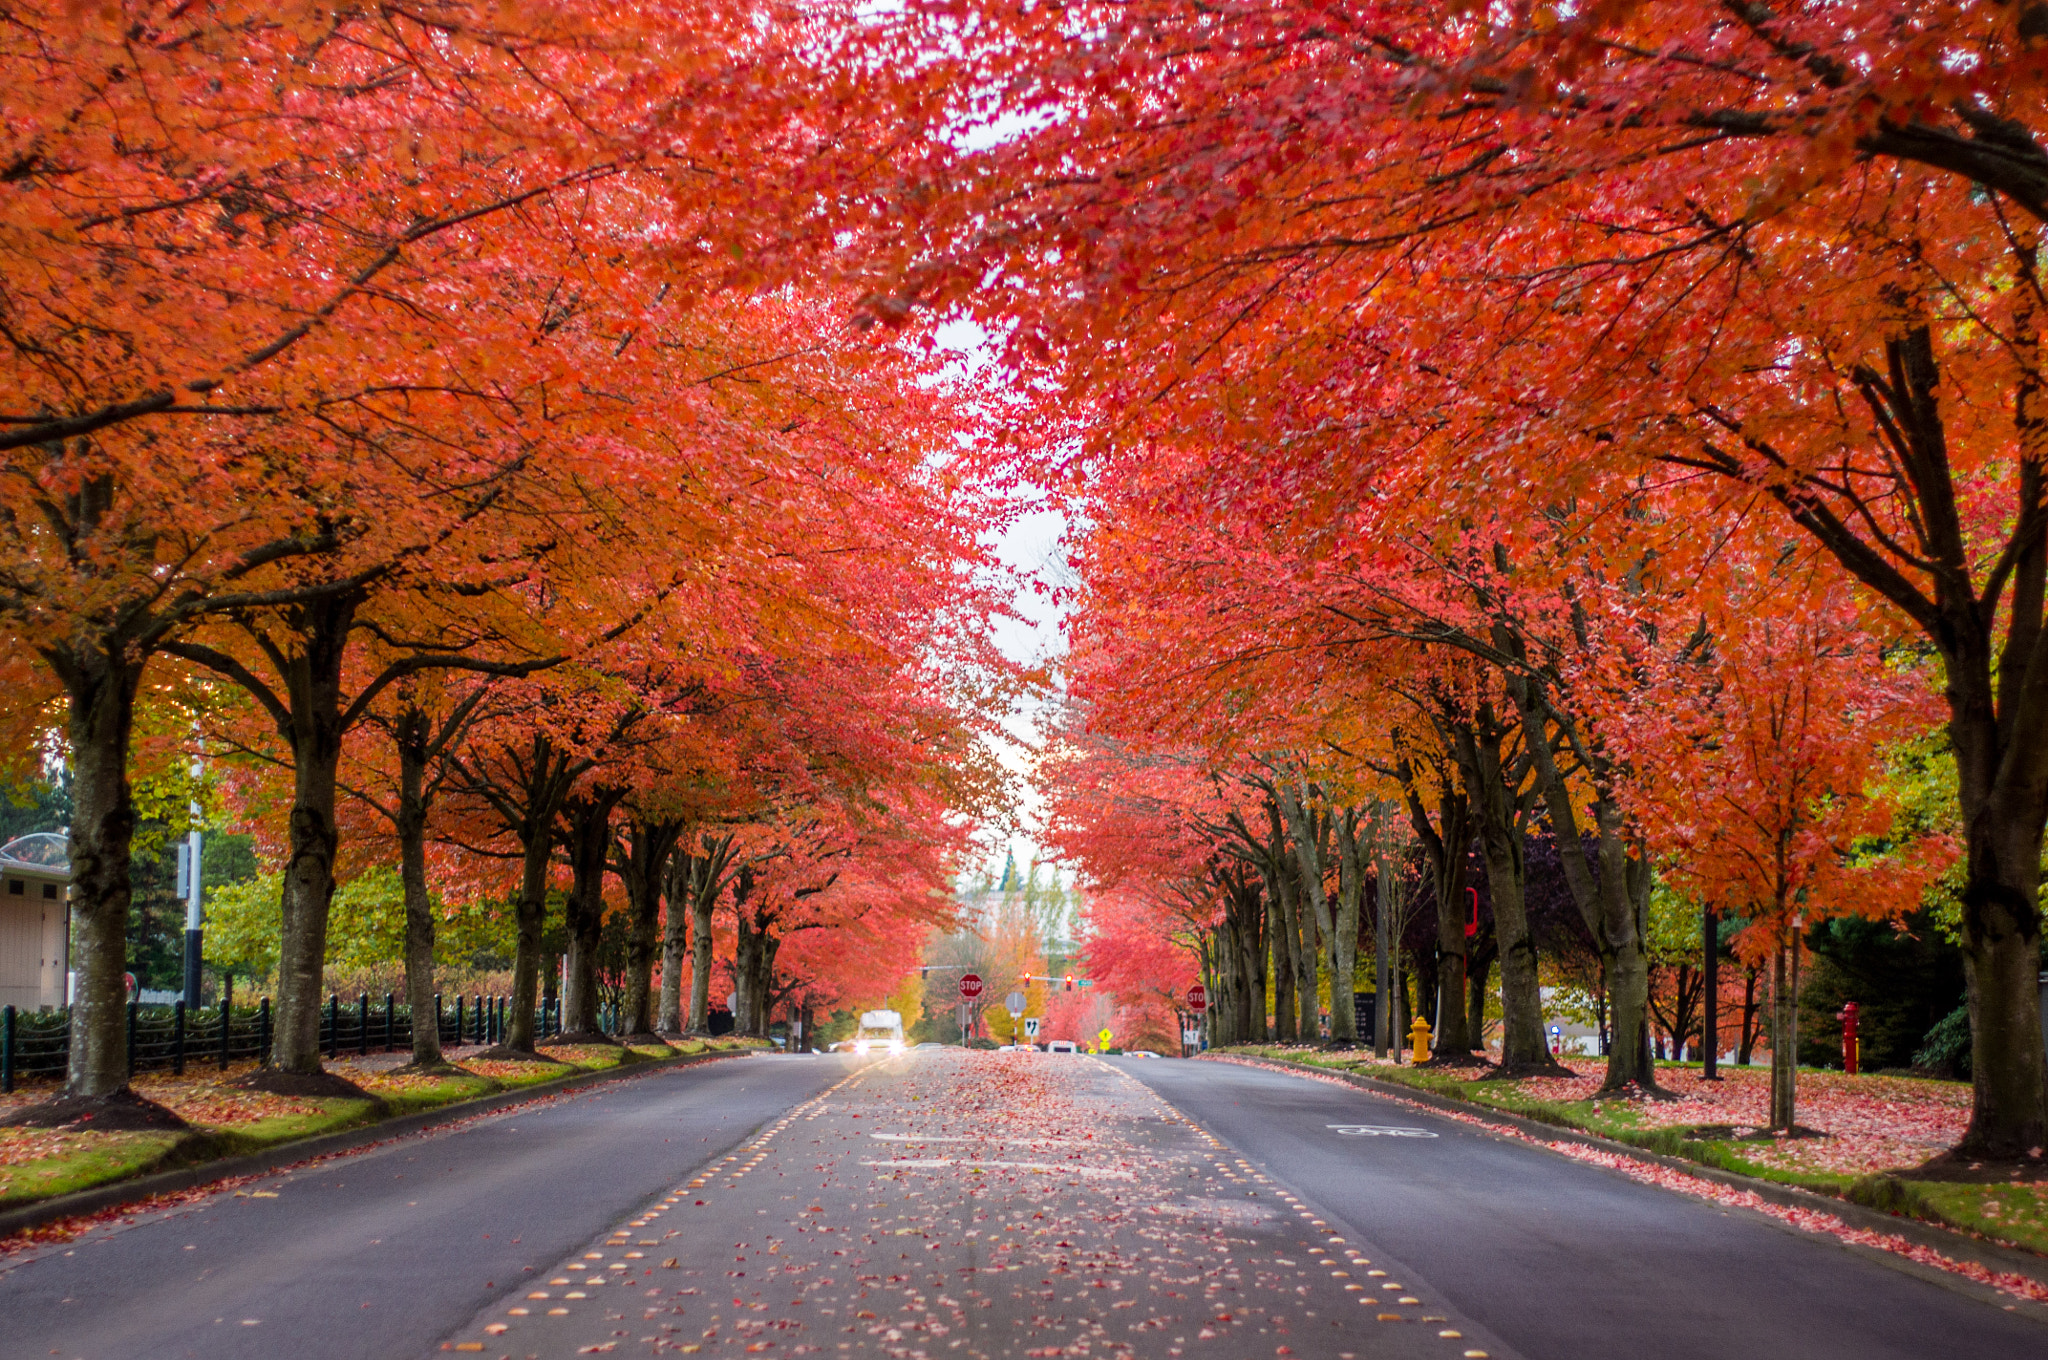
point(42, 1164)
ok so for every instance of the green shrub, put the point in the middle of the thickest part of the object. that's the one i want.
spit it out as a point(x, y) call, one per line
point(1946, 1049)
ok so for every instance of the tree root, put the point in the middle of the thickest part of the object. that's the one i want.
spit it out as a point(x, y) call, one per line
point(318, 1085)
point(1549, 1067)
point(1957, 1166)
point(440, 1067)
point(506, 1053)
point(121, 1112)
point(579, 1038)
point(1460, 1061)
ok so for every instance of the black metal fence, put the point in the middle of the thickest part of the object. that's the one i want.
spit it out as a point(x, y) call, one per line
point(171, 1038)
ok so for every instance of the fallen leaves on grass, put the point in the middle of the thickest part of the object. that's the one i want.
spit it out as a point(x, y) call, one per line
point(196, 1097)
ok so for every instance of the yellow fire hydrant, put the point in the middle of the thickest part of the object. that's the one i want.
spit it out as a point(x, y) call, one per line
point(1418, 1040)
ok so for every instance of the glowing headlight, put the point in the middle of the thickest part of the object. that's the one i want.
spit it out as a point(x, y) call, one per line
point(860, 1049)
point(895, 1047)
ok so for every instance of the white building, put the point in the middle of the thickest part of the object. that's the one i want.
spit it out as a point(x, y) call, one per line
point(35, 920)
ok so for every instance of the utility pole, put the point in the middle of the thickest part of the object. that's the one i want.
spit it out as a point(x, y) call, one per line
point(1710, 1024)
point(1382, 974)
point(189, 888)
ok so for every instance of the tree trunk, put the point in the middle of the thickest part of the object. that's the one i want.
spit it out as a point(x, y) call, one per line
point(1784, 1042)
point(1308, 952)
point(1404, 1008)
point(1750, 1029)
point(1614, 901)
point(1280, 942)
point(746, 944)
point(1386, 913)
point(675, 937)
point(1309, 830)
point(587, 836)
point(1996, 687)
point(1244, 910)
point(701, 904)
point(1219, 978)
point(1444, 842)
point(1452, 1022)
point(311, 676)
point(1428, 980)
point(1343, 941)
point(1475, 1001)
point(2002, 821)
point(1497, 807)
point(761, 981)
point(410, 822)
point(101, 723)
point(543, 784)
point(1710, 992)
point(650, 847)
point(706, 880)
point(643, 945)
point(530, 915)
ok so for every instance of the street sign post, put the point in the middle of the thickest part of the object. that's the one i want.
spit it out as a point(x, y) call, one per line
point(1198, 998)
point(1031, 1027)
point(1104, 1038)
point(970, 986)
point(1014, 1004)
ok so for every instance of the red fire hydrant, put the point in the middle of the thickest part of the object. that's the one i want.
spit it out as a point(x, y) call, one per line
point(1847, 1015)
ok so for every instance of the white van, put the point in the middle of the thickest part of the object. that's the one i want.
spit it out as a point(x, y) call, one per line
point(878, 1029)
point(1062, 1046)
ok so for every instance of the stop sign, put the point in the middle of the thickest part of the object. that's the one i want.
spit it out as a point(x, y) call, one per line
point(970, 986)
point(1198, 997)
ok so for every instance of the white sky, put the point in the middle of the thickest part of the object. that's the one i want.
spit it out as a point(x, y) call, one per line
point(1032, 547)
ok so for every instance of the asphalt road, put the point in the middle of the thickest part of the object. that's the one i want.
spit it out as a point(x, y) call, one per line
point(1568, 1261)
point(989, 1206)
point(383, 1253)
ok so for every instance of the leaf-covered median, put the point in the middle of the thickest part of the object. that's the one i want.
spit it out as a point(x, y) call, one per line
point(228, 1121)
point(1871, 1135)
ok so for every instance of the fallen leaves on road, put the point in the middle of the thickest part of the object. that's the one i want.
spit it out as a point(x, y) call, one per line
point(1053, 1211)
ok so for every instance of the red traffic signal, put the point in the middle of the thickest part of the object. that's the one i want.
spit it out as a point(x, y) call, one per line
point(1070, 982)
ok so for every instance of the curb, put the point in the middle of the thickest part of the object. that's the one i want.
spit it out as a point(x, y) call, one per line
point(1956, 1245)
point(326, 1144)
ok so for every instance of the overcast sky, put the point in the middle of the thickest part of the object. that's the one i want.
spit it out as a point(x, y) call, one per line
point(1031, 546)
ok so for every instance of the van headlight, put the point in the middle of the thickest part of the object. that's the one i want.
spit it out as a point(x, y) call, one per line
point(860, 1049)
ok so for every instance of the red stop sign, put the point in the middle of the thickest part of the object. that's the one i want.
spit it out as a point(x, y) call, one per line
point(1198, 997)
point(970, 986)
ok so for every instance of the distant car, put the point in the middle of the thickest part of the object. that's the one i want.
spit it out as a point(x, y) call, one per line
point(1140, 1053)
point(843, 1046)
point(1063, 1046)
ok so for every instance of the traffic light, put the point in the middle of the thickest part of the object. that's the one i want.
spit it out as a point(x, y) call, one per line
point(1070, 982)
